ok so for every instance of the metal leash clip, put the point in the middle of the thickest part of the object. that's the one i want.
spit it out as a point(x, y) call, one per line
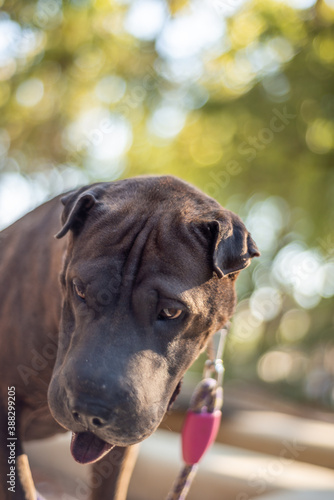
point(214, 365)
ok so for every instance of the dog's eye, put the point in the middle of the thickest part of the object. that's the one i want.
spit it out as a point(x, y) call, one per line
point(79, 291)
point(171, 313)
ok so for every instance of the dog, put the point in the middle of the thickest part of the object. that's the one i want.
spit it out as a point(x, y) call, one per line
point(99, 324)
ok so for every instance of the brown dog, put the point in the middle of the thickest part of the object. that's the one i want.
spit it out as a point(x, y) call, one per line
point(147, 269)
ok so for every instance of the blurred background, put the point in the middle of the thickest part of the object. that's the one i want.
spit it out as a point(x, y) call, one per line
point(234, 96)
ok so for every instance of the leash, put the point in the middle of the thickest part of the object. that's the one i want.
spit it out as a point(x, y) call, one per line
point(203, 417)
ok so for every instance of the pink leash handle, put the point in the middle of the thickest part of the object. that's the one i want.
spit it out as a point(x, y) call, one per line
point(198, 433)
point(202, 421)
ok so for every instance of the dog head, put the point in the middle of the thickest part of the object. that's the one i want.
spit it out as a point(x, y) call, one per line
point(148, 277)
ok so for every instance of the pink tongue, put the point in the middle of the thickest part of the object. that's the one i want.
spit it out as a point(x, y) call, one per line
point(87, 448)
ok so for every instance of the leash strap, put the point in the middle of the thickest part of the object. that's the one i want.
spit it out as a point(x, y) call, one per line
point(183, 482)
point(203, 418)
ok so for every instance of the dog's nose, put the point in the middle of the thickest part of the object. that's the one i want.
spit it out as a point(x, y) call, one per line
point(90, 416)
point(88, 420)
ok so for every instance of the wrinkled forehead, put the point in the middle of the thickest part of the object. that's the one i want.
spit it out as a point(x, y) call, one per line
point(163, 245)
point(107, 274)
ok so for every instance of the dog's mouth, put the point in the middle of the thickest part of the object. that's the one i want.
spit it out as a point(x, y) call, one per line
point(175, 395)
point(87, 448)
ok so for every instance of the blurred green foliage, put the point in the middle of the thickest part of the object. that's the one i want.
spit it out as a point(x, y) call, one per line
point(236, 97)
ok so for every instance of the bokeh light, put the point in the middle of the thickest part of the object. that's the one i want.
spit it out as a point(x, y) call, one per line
point(30, 92)
point(294, 325)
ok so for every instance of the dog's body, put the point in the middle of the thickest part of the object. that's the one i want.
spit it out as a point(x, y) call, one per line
point(147, 271)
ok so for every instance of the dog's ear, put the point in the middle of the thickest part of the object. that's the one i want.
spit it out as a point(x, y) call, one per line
point(77, 204)
point(232, 245)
